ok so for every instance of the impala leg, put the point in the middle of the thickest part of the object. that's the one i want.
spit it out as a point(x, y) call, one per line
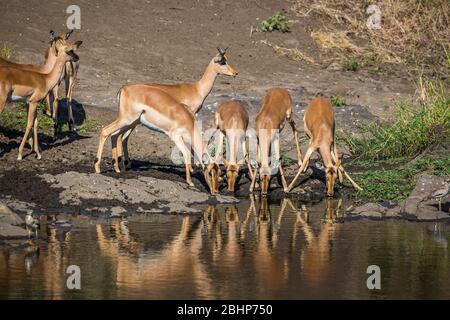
point(337, 161)
point(276, 144)
point(55, 103)
point(252, 184)
point(30, 121)
point(126, 163)
point(114, 142)
point(303, 167)
point(341, 169)
point(104, 134)
point(186, 155)
point(246, 157)
point(219, 149)
point(48, 107)
point(294, 129)
point(36, 141)
point(70, 83)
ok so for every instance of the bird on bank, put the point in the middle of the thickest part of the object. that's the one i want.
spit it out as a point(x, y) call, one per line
point(32, 224)
point(441, 193)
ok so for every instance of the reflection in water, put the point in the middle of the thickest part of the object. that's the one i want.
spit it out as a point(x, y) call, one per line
point(253, 250)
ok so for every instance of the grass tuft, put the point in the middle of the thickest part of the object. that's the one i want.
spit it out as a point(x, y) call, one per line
point(413, 130)
point(396, 183)
point(414, 32)
point(337, 100)
point(275, 22)
point(6, 52)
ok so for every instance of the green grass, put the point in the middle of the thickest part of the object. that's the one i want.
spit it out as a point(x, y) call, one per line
point(337, 100)
point(396, 183)
point(350, 64)
point(275, 22)
point(16, 118)
point(412, 131)
point(6, 52)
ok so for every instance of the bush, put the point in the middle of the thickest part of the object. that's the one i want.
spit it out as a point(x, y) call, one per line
point(276, 22)
point(412, 131)
point(337, 100)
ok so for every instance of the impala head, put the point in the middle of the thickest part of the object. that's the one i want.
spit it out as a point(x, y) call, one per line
point(232, 174)
point(213, 173)
point(221, 65)
point(264, 176)
point(68, 50)
point(331, 175)
point(56, 41)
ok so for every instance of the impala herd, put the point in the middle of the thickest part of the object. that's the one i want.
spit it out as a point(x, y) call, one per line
point(171, 109)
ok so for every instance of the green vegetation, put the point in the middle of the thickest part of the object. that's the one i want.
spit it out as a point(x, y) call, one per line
point(275, 22)
point(394, 154)
point(6, 52)
point(337, 100)
point(14, 117)
point(412, 131)
point(350, 64)
point(396, 183)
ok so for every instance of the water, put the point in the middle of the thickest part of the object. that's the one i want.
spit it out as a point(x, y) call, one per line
point(254, 251)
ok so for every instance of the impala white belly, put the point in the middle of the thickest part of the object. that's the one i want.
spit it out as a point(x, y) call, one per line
point(17, 98)
point(150, 125)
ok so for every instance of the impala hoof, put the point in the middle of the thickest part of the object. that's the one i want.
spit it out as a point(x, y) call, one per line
point(38, 156)
point(19, 158)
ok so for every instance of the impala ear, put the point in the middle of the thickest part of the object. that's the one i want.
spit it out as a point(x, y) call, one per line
point(52, 36)
point(78, 43)
point(68, 34)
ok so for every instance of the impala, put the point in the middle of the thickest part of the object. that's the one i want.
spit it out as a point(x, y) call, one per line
point(160, 112)
point(70, 73)
point(231, 119)
point(190, 94)
point(320, 126)
point(32, 87)
point(276, 109)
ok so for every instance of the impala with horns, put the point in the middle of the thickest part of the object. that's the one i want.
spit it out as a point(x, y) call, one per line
point(276, 109)
point(319, 122)
point(69, 76)
point(231, 119)
point(32, 87)
point(190, 94)
point(160, 112)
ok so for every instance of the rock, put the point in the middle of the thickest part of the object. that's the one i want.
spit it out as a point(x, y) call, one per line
point(370, 210)
point(175, 196)
point(420, 204)
point(117, 211)
point(8, 232)
point(7, 216)
point(393, 212)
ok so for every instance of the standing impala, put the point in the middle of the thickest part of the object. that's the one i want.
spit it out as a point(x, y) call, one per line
point(231, 119)
point(160, 112)
point(32, 87)
point(319, 126)
point(190, 94)
point(270, 121)
point(69, 75)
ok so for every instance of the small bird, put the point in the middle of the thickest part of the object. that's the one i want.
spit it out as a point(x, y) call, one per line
point(441, 193)
point(32, 224)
